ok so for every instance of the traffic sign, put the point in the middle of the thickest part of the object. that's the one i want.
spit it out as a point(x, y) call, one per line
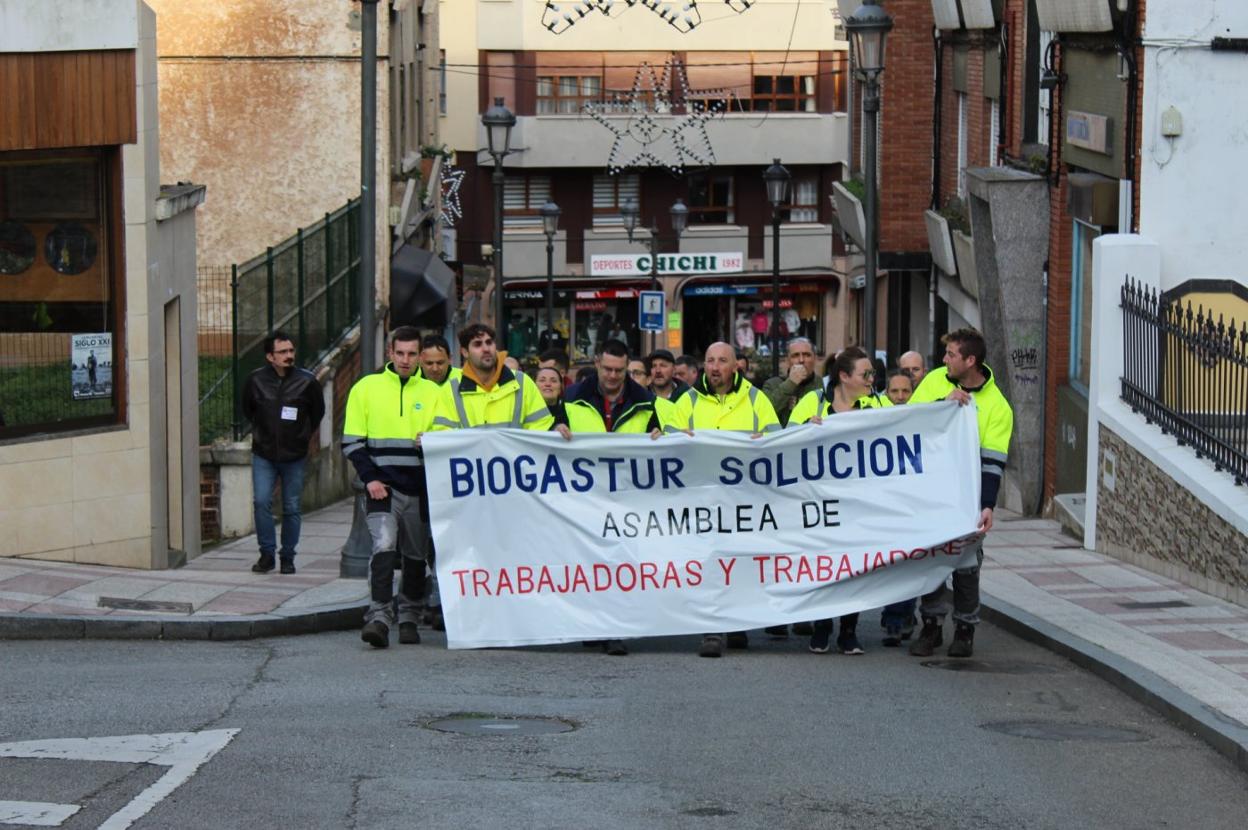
point(650, 311)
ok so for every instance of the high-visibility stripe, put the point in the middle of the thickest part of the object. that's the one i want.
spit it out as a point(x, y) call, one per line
point(993, 454)
point(754, 397)
point(459, 404)
point(397, 460)
point(536, 415)
point(991, 469)
point(517, 415)
point(446, 422)
point(390, 443)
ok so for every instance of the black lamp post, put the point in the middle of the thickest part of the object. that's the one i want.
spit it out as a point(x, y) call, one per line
point(777, 179)
point(867, 27)
point(631, 214)
point(498, 121)
point(550, 226)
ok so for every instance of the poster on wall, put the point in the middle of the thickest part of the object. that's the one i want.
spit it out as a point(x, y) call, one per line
point(91, 365)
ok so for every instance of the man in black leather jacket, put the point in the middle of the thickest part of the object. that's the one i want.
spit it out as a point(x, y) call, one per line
point(285, 405)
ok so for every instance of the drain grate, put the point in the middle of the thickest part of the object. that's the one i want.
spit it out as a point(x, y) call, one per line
point(1149, 606)
point(1046, 731)
point(990, 667)
point(121, 604)
point(479, 725)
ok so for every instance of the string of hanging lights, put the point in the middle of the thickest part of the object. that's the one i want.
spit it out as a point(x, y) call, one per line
point(682, 16)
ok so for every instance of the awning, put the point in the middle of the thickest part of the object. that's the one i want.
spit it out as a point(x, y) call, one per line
point(422, 288)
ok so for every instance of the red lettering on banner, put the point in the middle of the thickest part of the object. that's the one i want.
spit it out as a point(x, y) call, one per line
point(762, 567)
point(524, 579)
point(480, 581)
point(545, 580)
point(603, 571)
point(693, 569)
point(804, 572)
point(462, 588)
point(671, 574)
point(632, 577)
point(918, 553)
point(844, 568)
point(878, 561)
point(823, 568)
point(504, 583)
point(782, 564)
point(727, 569)
point(894, 554)
point(580, 579)
point(649, 571)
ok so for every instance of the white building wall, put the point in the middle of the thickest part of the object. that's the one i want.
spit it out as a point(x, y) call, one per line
point(1192, 186)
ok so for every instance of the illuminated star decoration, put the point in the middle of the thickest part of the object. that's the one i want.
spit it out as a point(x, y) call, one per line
point(643, 140)
point(682, 16)
point(452, 208)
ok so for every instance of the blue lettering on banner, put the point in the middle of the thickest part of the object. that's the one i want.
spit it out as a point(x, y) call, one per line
point(898, 455)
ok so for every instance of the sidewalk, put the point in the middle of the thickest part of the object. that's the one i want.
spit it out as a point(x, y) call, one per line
point(1172, 647)
point(214, 597)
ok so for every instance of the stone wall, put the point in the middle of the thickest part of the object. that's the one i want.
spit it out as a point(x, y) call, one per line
point(1145, 517)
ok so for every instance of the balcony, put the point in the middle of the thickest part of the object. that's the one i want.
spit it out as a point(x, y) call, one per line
point(802, 247)
point(544, 141)
point(524, 253)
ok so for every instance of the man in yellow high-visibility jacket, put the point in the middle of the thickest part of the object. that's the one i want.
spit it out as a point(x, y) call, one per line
point(721, 398)
point(379, 438)
point(965, 378)
point(489, 394)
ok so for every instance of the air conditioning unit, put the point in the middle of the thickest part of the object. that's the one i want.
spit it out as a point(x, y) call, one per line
point(1074, 15)
point(946, 14)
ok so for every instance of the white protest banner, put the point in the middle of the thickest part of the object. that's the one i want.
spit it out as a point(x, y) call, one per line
point(542, 540)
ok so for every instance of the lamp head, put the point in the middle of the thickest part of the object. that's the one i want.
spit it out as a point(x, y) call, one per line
point(498, 121)
point(777, 178)
point(867, 27)
point(631, 214)
point(550, 219)
point(680, 217)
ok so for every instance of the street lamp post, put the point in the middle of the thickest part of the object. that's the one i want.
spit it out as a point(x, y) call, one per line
point(368, 186)
point(631, 214)
point(498, 121)
point(776, 178)
point(868, 26)
point(550, 226)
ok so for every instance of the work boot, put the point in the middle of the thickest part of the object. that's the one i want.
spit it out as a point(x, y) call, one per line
point(409, 635)
point(288, 565)
point(712, 646)
point(777, 630)
point(929, 638)
point(738, 639)
point(264, 564)
point(376, 634)
point(615, 648)
point(963, 644)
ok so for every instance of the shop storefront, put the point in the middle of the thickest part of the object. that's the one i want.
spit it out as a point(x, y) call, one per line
point(741, 314)
point(585, 318)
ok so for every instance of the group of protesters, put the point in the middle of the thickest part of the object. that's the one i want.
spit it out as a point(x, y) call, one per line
point(419, 390)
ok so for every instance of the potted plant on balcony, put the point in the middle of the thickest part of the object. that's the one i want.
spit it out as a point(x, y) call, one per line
point(955, 214)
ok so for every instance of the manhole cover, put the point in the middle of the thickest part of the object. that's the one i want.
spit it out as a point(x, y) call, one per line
point(990, 667)
point(472, 725)
point(1046, 731)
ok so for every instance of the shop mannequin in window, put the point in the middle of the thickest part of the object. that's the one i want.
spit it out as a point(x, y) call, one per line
point(742, 331)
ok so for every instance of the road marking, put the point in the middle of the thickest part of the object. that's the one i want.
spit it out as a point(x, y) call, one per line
point(35, 813)
point(183, 752)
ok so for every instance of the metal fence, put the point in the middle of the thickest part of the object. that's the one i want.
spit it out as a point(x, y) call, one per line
point(304, 286)
point(1188, 374)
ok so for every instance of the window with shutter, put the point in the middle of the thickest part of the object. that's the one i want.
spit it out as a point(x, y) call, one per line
point(610, 194)
point(523, 197)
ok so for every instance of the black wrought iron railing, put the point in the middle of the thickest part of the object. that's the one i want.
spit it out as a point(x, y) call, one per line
point(1187, 372)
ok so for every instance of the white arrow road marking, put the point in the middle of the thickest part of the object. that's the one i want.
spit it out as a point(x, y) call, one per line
point(35, 813)
point(183, 752)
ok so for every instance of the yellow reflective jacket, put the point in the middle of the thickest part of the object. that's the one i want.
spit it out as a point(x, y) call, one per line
point(995, 418)
point(818, 402)
point(513, 402)
point(427, 394)
point(744, 408)
point(379, 430)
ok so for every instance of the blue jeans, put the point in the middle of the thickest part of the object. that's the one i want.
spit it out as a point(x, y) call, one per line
point(899, 614)
point(264, 477)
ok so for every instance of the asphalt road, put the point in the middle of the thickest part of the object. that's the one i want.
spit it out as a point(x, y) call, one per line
point(332, 734)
